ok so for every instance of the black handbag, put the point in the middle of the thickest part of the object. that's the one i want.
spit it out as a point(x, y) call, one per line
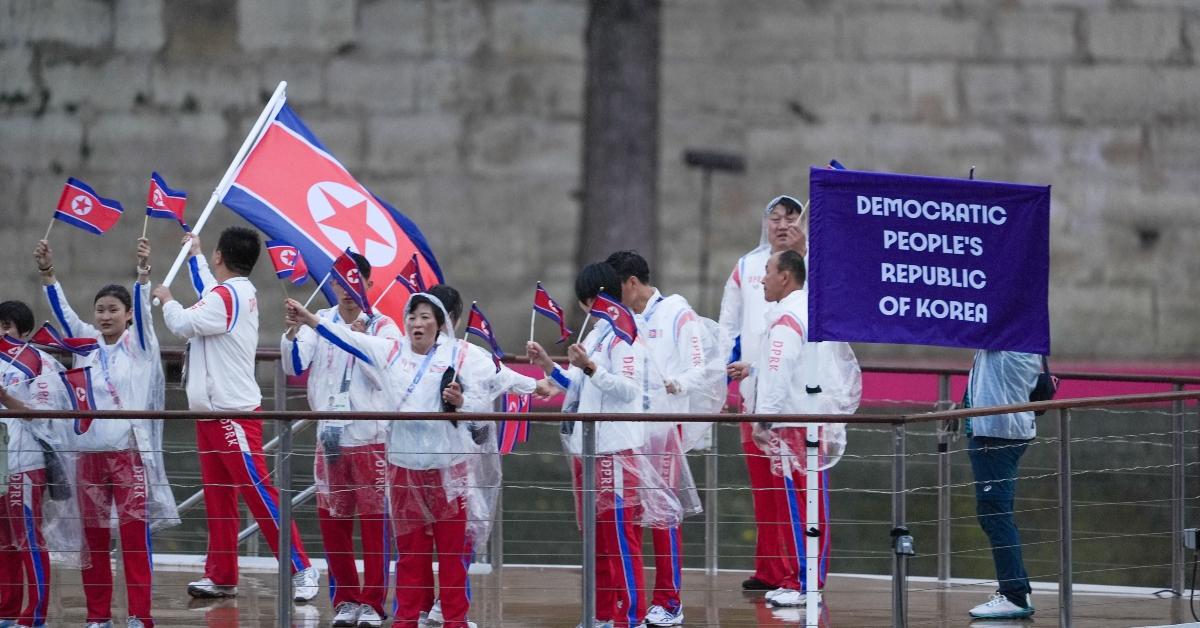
point(1045, 387)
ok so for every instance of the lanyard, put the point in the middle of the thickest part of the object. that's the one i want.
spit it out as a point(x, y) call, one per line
point(420, 374)
point(108, 385)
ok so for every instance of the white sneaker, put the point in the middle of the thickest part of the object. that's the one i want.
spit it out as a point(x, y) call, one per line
point(434, 617)
point(770, 595)
point(368, 617)
point(660, 616)
point(305, 584)
point(1000, 607)
point(599, 624)
point(94, 624)
point(347, 614)
point(787, 598)
point(205, 587)
point(134, 622)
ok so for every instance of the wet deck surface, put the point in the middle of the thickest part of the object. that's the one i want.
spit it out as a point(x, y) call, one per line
point(549, 597)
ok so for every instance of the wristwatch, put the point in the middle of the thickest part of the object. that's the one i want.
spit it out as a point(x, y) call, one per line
point(589, 371)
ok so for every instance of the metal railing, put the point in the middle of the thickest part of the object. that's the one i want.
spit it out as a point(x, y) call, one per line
point(898, 424)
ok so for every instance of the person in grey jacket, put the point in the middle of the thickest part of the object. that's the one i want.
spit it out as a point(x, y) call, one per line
point(996, 444)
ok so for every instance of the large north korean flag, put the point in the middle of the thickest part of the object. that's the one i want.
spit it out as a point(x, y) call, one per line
point(295, 190)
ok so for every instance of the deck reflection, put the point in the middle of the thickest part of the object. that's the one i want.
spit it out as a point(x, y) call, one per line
point(531, 597)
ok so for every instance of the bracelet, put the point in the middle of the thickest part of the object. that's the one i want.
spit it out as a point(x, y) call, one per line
point(143, 270)
point(47, 270)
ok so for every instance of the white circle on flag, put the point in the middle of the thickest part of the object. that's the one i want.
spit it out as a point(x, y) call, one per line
point(287, 257)
point(80, 393)
point(158, 198)
point(81, 205)
point(379, 243)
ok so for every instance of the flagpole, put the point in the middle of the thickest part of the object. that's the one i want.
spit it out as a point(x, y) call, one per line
point(145, 223)
point(532, 318)
point(277, 100)
point(47, 236)
point(384, 293)
point(318, 290)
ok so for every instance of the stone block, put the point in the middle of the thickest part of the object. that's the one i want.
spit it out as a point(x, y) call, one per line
point(933, 93)
point(1120, 320)
point(373, 86)
point(1036, 35)
point(305, 79)
point(174, 143)
point(450, 85)
point(1009, 92)
point(139, 25)
point(1175, 331)
point(912, 35)
point(315, 25)
point(391, 26)
point(539, 30)
point(422, 143)
point(695, 30)
point(50, 142)
point(75, 23)
point(16, 66)
point(813, 93)
point(1174, 147)
point(91, 85)
point(458, 28)
point(700, 87)
point(777, 31)
point(1131, 93)
point(515, 145)
point(544, 88)
point(208, 87)
point(1134, 35)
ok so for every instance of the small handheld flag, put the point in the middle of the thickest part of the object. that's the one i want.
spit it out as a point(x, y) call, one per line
point(80, 206)
point(509, 433)
point(163, 202)
point(410, 276)
point(16, 354)
point(287, 261)
point(835, 165)
point(617, 315)
point(345, 272)
point(478, 324)
point(546, 306)
point(79, 389)
point(48, 336)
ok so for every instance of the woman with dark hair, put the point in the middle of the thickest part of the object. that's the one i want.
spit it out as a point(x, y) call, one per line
point(119, 465)
point(432, 463)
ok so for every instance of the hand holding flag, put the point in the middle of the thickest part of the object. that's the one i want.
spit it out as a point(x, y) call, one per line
point(546, 306)
point(79, 205)
point(48, 336)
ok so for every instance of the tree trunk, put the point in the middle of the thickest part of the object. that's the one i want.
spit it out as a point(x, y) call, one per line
point(620, 130)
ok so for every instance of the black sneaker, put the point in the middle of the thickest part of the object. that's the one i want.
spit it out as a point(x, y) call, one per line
point(754, 584)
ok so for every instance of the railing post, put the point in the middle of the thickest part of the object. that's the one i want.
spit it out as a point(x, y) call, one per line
point(1178, 486)
point(900, 560)
point(588, 500)
point(1064, 518)
point(283, 479)
point(496, 543)
point(711, 535)
point(944, 480)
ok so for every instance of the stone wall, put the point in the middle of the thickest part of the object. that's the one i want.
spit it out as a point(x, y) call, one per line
point(466, 114)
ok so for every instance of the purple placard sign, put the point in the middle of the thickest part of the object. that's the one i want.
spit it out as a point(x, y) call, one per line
point(922, 260)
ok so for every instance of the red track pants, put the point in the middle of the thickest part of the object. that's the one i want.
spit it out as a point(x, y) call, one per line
point(769, 564)
point(24, 560)
point(353, 479)
point(790, 493)
point(668, 567)
point(107, 478)
point(232, 462)
point(620, 582)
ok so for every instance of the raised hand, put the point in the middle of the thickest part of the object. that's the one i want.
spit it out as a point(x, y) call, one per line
point(194, 241)
point(143, 252)
point(538, 356)
point(578, 356)
point(42, 255)
point(301, 316)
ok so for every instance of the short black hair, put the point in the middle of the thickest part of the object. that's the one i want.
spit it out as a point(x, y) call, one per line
point(17, 314)
point(450, 298)
point(629, 264)
point(116, 291)
point(364, 266)
point(239, 249)
point(438, 314)
point(790, 205)
point(792, 263)
point(596, 277)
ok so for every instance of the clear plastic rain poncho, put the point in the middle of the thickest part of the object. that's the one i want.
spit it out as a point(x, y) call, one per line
point(626, 473)
point(45, 444)
point(126, 375)
point(442, 464)
point(831, 368)
point(350, 465)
